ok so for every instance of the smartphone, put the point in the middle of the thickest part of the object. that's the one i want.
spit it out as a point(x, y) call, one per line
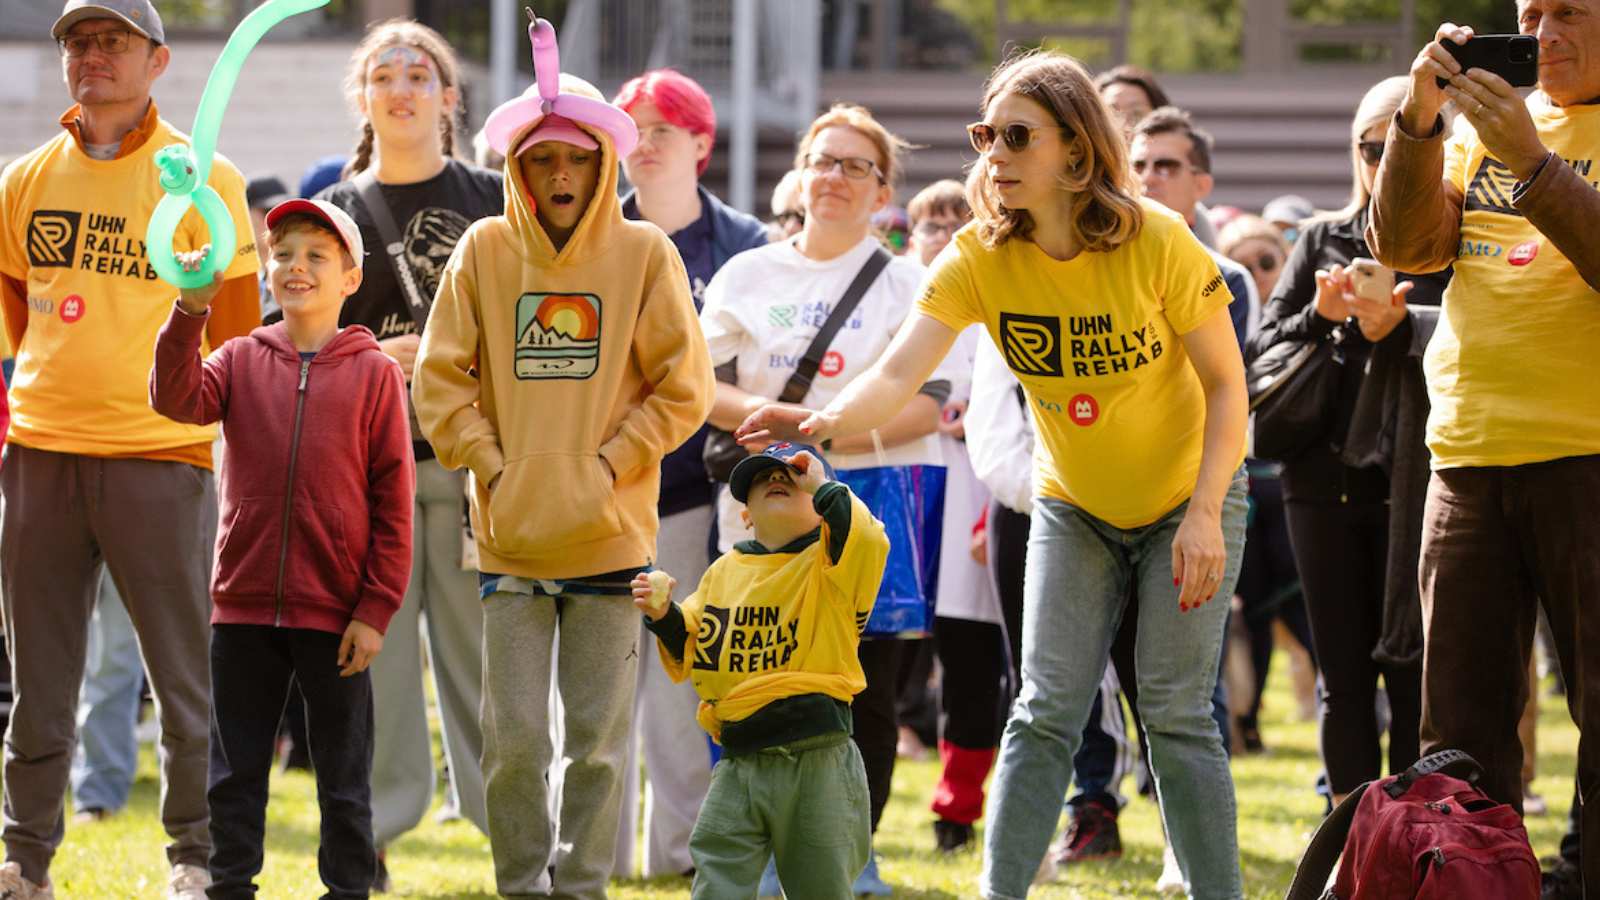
point(1372, 280)
point(1514, 57)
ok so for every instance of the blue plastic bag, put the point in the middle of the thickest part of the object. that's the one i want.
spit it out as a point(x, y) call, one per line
point(909, 501)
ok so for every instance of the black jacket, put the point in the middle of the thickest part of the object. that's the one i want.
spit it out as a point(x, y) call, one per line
point(1290, 314)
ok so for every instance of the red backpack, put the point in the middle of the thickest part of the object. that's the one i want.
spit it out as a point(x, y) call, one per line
point(1427, 833)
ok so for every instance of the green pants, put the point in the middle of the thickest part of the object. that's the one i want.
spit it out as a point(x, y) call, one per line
point(805, 803)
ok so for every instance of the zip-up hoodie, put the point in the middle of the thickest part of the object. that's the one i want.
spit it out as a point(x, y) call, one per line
point(536, 364)
point(317, 478)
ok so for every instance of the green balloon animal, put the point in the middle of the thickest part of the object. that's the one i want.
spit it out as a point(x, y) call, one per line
point(186, 168)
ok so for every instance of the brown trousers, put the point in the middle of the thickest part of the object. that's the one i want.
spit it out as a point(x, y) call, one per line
point(154, 524)
point(1496, 542)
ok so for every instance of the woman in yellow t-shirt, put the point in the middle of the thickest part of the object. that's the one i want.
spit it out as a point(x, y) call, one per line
point(1114, 319)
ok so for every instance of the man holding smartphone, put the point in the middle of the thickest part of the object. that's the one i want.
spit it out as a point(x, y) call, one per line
point(1513, 512)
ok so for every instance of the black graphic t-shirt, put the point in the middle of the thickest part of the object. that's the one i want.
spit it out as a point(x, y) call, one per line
point(432, 216)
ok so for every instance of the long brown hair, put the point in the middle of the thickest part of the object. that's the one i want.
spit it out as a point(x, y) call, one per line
point(1103, 197)
point(401, 33)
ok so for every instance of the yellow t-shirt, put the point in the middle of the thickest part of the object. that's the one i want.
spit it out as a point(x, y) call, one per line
point(1510, 369)
point(768, 625)
point(1094, 341)
point(72, 228)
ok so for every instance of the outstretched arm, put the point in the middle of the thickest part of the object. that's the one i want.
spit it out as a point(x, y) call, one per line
point(869, 401)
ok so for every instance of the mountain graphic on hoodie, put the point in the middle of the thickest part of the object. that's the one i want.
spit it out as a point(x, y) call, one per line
point(558, 335)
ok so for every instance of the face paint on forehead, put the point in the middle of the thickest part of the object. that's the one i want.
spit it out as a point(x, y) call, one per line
point(403, 58)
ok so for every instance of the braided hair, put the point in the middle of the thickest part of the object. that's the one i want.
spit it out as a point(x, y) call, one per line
point(400, 33)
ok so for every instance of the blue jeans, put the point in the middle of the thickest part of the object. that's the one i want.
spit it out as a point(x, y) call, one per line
point(1079, 570)
point(108, 708)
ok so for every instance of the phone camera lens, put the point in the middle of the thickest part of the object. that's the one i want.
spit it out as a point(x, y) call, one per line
point(1521, 54)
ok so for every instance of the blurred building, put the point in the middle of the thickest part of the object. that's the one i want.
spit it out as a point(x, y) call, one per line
point(1280, 112)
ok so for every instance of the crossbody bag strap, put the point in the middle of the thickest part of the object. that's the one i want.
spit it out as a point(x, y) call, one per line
point(800, 382)
point(394, 247)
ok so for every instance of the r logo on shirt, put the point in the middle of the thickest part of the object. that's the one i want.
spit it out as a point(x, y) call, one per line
point(708, 643)
point(1523, 253)
point(832, 364)
point(1083, 409)
point(53, 238)
point(1032, 344)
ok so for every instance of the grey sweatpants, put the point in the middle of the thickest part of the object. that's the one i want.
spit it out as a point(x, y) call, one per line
point(677, 757)
point(442, 599)
point(154, 525)
point(594, 673)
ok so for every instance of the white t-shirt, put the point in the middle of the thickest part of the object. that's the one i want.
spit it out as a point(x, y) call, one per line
point(965, 589)
point(764, 306)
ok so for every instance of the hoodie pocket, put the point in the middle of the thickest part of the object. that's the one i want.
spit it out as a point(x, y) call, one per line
point(548, 501)
point(247, 548)
point(320, 563)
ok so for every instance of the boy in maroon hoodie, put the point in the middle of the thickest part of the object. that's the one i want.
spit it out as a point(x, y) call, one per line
point(314, 544)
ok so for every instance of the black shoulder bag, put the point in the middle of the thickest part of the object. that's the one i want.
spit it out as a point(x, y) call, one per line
point(394, 247)
point(1294, 388)
point(722, 452)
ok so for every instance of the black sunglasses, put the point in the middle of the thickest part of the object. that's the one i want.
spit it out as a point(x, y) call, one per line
point(1371, 151)
point(1266, 263)
point(1017, 136)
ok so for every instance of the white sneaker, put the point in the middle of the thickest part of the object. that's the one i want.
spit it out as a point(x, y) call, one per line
point(188, 882)
point(1171, 880)
point(14, 887)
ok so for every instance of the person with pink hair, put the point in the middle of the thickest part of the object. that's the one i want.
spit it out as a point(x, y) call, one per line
point(677, 130)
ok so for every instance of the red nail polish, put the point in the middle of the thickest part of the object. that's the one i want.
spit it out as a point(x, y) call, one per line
point(1176, 581)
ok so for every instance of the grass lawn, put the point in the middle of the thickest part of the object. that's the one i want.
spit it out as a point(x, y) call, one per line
point(122, 857)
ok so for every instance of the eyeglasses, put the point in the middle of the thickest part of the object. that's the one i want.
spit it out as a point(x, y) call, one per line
point(1163, 168)
point(1371, 152)
point(657, 134)
point(853, 167)
point(1017, 136)
point(1267, 263)
point(927, 228)
point(110, 42)
point(790, 217)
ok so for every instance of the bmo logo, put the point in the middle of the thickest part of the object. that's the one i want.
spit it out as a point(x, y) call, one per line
point(71, 309)
point(832, 364)
point(1083, 410)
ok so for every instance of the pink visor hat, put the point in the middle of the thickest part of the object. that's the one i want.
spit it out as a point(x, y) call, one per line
point(554, 113)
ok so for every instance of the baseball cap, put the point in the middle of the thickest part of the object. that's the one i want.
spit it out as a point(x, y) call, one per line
point(336, 218)
point(139, 15)
point(558, 128)
point(265, 192)
point(1290, 209)
point(778, 454)
point(325, 171)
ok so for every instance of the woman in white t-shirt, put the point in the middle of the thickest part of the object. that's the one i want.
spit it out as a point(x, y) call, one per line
point(761, 312)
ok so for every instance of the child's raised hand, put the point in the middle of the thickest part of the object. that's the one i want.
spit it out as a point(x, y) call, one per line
point(359, 648)
point(811, 475)
point(195, 301)
point(652, 593)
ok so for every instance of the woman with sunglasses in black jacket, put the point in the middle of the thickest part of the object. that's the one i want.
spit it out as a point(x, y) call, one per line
point(1338, 512)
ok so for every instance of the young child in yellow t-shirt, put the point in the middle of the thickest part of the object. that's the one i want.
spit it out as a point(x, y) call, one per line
point(769, 640)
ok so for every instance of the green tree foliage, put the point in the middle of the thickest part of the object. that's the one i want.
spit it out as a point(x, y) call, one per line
point(1206, 35)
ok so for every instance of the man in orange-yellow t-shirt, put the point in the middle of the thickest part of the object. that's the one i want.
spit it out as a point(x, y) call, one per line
point(92, 475)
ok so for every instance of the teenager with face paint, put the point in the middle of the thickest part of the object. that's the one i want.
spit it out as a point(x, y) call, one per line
point(677, 128)
point(562, 361)
point(404, 83)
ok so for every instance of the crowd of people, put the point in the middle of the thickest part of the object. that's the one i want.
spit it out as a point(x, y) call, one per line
point(698, 522)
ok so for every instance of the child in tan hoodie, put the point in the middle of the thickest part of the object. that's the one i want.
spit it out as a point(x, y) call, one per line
point(562, 360)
